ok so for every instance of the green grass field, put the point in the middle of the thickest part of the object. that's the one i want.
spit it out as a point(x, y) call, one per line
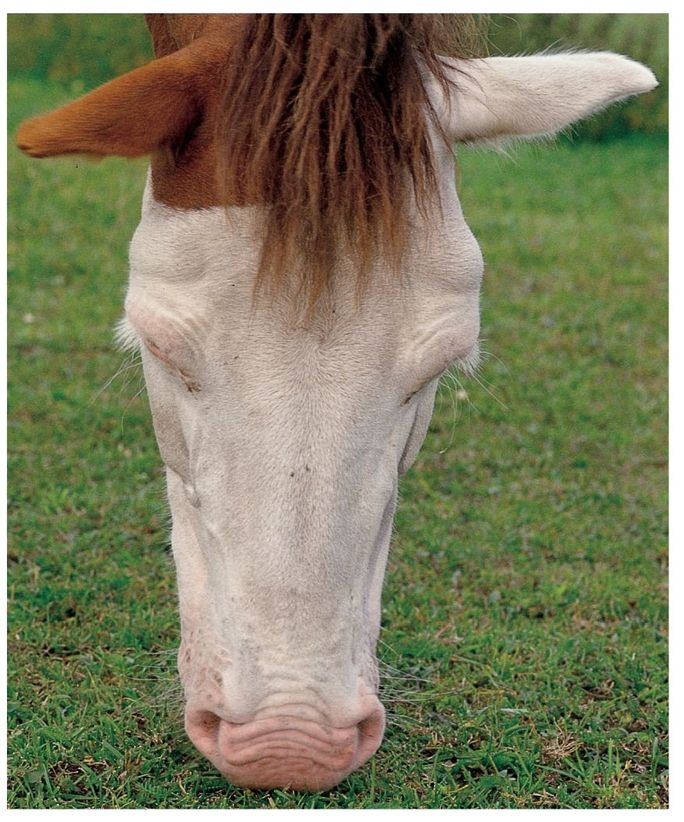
point(525, 609)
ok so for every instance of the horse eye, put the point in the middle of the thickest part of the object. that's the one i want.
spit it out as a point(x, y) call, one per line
point(156, 350)
point(190, 382)
point(423, 385)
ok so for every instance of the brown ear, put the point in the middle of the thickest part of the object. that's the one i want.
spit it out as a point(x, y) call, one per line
point(162, 39)
point(130, 116)
point(171, 32)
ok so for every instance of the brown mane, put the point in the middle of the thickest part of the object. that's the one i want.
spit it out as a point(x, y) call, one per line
point(324, 119)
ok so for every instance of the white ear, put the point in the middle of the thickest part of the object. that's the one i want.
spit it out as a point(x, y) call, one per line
point(499, 97)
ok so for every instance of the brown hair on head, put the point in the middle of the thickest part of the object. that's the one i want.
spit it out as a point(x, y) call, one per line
point(324, 120)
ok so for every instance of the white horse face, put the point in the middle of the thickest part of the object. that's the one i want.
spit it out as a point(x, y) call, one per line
point(283, 437)
point(283, 441)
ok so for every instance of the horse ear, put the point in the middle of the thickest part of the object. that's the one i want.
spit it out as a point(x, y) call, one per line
point(162, 39)
point(500, 97)
point(129, 116)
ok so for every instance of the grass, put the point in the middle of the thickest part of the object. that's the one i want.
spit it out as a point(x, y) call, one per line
point(524, 645)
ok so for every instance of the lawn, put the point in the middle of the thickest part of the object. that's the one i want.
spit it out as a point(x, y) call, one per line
point(524, 647)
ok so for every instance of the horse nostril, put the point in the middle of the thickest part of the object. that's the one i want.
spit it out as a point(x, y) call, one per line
point(370, 730)
point(203, 729)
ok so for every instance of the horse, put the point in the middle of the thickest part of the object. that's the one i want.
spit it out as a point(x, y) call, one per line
point(301, 277)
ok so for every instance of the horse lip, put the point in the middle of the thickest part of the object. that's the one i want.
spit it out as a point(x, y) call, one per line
point(285, 750)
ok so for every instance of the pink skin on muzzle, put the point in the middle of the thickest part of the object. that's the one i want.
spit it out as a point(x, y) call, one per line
point(286, 751)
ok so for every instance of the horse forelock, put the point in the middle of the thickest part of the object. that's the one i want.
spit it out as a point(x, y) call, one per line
point(323, 119)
